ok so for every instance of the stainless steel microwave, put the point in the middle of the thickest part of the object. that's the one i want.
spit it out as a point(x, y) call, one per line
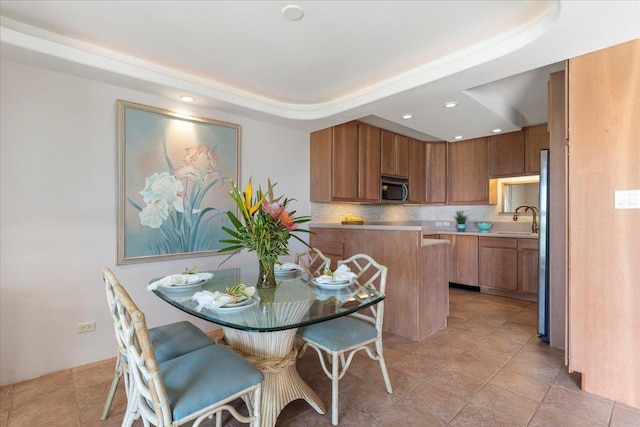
point(393, 190)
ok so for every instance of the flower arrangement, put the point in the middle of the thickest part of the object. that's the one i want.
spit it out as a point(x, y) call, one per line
point(264, 227)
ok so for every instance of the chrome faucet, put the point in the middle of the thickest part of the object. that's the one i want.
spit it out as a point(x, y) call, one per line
point(534, 212)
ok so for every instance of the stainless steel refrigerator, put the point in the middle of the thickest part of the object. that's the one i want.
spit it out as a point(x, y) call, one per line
point(543, 249)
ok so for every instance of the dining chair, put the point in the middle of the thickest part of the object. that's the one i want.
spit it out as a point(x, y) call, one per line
point(313, 261)
point(337, 341)
point(191, 387)
point(169, 341)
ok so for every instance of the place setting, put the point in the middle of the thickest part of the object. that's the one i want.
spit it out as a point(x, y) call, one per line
point(342, 277)
point(186, 281)
point(236, 298)
point(287, 270)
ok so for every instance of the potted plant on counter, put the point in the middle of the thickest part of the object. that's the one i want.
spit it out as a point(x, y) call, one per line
point(461, 220)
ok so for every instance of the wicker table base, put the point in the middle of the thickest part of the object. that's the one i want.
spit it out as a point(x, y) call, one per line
point(275, 355)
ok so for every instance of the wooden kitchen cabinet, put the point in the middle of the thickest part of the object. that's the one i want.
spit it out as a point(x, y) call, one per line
point(498, 256)
point(468, 180)
point(536, 138)
point(463, 259)
point(345, 164)
point(509, 267)
point(394, 151)
point(506, 154)
point(435, 161)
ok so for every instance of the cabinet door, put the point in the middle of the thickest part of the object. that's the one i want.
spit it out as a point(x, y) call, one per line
point(394, 159)
point(435, 161)
point(387, 153)
point(345, 159)
point(506, 154)
point(528, 266)
point(368, 163)
point(536, 138)
point(401, 146)
point(498, 257)
point(468, 172)
point(320, 167)
point(417, 178)
point(463, 259)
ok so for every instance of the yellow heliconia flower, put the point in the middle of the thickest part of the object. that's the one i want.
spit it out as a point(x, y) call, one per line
point(247, 200)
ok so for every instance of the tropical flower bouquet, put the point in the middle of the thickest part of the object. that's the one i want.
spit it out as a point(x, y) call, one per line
point(264, 227)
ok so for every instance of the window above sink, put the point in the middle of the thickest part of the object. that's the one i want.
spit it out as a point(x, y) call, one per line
point(517, 191)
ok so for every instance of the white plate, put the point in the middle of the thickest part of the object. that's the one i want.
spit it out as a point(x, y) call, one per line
point(230, 308)
point(183, 287)
point(332, 285)
point(287, 274)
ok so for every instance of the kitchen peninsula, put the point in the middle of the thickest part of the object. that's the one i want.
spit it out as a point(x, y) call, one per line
point(417, 292)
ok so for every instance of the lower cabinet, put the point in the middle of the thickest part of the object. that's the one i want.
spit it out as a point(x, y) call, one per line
point(509, 266)
point(463, 259)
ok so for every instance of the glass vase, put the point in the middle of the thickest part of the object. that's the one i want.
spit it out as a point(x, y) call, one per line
point(266, 273)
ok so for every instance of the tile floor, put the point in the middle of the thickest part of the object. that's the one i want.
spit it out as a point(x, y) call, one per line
point(487, 368)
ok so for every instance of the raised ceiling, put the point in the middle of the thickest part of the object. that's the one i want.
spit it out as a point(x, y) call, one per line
point(343, 60)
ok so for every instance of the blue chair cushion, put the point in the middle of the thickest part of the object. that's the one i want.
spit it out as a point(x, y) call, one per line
point(203, 377)
point(338, 334)
point(176, 339)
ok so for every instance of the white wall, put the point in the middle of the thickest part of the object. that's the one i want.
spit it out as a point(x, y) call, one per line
point(58, 220)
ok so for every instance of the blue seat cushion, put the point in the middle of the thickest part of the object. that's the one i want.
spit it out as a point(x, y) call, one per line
point(203, 377)
point(340, 333)
point(176, 339)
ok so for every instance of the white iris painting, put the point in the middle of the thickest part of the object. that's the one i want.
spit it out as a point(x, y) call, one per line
point(174, 183)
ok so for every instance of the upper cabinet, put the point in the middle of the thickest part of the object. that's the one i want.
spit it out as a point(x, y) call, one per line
point(506, 154)
point(345, 164)
point(468, 172)
point(536, 138)
point(394, 159)
point(517, 153)
point(417, 171)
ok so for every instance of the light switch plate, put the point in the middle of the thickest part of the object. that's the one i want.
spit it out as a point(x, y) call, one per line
point(626, 199)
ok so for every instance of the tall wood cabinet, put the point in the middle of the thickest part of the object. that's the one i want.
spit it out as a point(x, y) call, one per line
point(604, 242)
point(394, 159)
point(468, 180)
point(427, 172)
point(345, 164)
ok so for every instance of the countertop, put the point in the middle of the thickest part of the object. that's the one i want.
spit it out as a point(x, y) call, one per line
point(426, 229)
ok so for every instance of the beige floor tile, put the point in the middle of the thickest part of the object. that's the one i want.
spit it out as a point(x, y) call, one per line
point(521, 384)
point(436, 401)
point(406, 415)
point(568, 380)
point(474, 415)
point(547, 416)
point(479, 368)
point(507, 403)
point(460, 383)
point(625, 416)
point(583, 405)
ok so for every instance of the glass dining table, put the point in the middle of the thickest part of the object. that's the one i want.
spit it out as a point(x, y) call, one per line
point(264, 329)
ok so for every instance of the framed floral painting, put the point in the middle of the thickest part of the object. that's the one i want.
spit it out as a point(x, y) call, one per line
point(174, 180)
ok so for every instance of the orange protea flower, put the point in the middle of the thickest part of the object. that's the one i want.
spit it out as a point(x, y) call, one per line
point(287, 221)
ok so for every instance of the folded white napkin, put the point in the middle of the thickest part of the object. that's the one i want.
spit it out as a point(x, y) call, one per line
point(206, 299)
point(179, 279)
point(287, 266)
point(342, 273)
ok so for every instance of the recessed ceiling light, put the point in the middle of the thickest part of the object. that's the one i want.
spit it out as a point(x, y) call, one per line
point(292, 12)
point(496, 130)
point(407, 116)
point(450, 104)
point(187, 98)
point(457, 137)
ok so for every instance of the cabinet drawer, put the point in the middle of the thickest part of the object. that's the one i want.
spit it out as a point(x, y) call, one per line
point(499, 242)
point(529, 244)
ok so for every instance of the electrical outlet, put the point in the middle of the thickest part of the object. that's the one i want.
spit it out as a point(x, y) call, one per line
point(445, 223)
point(86, 327)
point(438, 223)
